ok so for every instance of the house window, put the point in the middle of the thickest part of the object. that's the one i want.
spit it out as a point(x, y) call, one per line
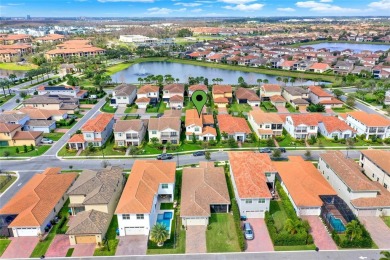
point(164, 186)
point(248, 201)
point(125, 216)
point(88, 135)
point(349, 189)
point(154, 132)
point(261, 200)
point(385, 185)
point(312, 127)
point(268, 174)
point(373, 175)
point(196, 129)
point(140, 216)
point(119, 134)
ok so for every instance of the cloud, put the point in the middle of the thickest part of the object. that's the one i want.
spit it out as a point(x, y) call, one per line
point(237, 2)
point(383, 4)
point(245, 8)
point(326, 1)
point(287, 9)
point(135, 1)
point(205, 2)
point(198, 10)
point(188, 4)
point(323, 7)
point(164, 11)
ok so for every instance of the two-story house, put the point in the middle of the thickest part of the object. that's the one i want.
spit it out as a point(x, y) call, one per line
point(199, 126)
point(302, 126)
point(251, 173)
point(319, 67)
point(123, 95)
point(53, 102)
point(368, 124)
point(269, 90)
point(149, 183)
point(165, 129)
point(248, 96)
point(12, 135)
point(319, 96)
point(173, 94)
point(375, 164)
point(297, 96)
point(233, 127)
point(130, 132)
point(147, 94)
point(265, 125)
point(72, 91)
point(193, 88)
point(222, 93)
point(332, 127)
point(92, 200)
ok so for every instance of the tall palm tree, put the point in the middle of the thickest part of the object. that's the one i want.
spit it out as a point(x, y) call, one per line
point(259, 81)
point(353, 230)
point(12, 77)
point(285, 80)
point(159, 234)
point(292, 226)
point(265, 81)
point(292, 81)
point(278, 79)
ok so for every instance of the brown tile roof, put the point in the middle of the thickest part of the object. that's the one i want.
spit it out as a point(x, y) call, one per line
point(8, 128)
point(88, 222)
point(318, 91)
point(76, 138)
point(163, 123)
point(319, 66)
point(208, 119)
point(369, 119)
point(174, 88)
point(148, 88)
point(380, 158)
point(142, 185)
point(222, 89)
point(202, 187)
point(129, 125)
point(333, 124)
point(303, 181)
point(98, 124)
point(231, 125)
point(261, 117)
point(271, 88)
point(209, 130)
point(331, 101)
point(176, 98)
point(277, 98)
point(192, 118)
point(381, 200)
point(244, 93)
point(197, 87)
point(142, 100)
point(248, 169)
point(27, 135)
point(172, 113)
point(34, 202)
point(221, 100)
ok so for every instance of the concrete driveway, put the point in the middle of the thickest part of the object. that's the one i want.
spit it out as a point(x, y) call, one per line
point(58, 247)
point(132, 245)
point(196, 239)
point(379, 231)
point(20, 247)
point(262, 241)
point(320, 234)
point(84, 250)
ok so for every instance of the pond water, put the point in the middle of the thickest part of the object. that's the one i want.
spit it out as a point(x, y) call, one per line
point(356, 47)
point(6, 73)
point(184, 71)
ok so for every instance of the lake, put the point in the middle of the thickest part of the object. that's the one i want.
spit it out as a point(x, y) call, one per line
point(356, 47)
point(184, 71)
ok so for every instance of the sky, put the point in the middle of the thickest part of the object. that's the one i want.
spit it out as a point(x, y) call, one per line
point(192, 8)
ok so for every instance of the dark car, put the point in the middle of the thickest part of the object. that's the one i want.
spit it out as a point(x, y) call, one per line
point(265, 150)
point(164, 156)
point(199, 153)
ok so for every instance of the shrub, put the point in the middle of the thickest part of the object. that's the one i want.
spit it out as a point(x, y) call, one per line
point(280, 138)
point(386, 141)
point(17, 150)
point(25, 148)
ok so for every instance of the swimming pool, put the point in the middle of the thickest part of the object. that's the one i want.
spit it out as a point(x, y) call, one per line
point(336, 223)
point(165, 218)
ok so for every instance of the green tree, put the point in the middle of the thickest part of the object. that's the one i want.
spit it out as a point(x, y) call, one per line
point(351, 100)
point(32, 147)
point(232, 143)
point(308, 154)
point(224, 135)
point(292, 81)
point(194, 138)
point(276, 153)
point(338, 93)
point(353, 230)
point(91, 148)
point(207, 155)
point(133, 150)
point(270, 142)
point(23, 94)
point(25, 148)
point(386, 255)
point(12, 77)
point(285, 80)
point(154, 140)
point(6, 153)
point(292, 226)
point(278, 79)
point(159, 234)
point(17, 150)
point(184, 33)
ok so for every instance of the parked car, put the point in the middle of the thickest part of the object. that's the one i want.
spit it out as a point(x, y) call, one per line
point(265, 150)
point(164, 156)
point(72, 116)
point(46, 141)
point(248, 231)
point(199, 153)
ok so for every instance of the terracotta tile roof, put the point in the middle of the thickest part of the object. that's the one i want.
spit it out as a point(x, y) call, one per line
point(222, 89)
point(208, 119)
point(34, 202)
point(303, 181)
point(174, 88)
point(319, 66)
point(142, 100)
point(232, 125)
point(248, 170)
point(348, 171)
point(163, 123)
point(192, 118)
point(129, 125)
point(331, 101)
point(369, 119)
point(208, 130)
point(221, 100)
point(76, 138)
point(288, 63)
point(265, 131)
point(381, 200)
point(36, 113)
point(198, 87)
point(172, 113)
point(271, 88)
point(261, 117)
point(380, 158)
point(142, 185)
point(147, 89)
point(311, 119)
point(27, 135)
point(8, 128)
point(318, 91)
point(244, 93)
point(202, 187)
point(333, 124)
point(176, 98)
point(98, 124)
point(277, 98)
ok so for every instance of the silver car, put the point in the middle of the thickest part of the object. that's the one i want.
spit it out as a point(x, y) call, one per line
point(248, 231)
point(46, 141)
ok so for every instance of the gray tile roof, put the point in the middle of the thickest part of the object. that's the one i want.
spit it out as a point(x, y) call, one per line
point(124, 90)
point(89, 222)
point(40, 122)
point(7, 118)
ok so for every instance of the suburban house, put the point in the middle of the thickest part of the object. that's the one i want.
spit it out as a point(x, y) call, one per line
point(193, 88)
point(29, 212)
point(12, 135)
point(26, 123)
point(319, 96)
point(14, 118)
point(95, 131)
point(376, 166)
point(302, 126)
point(165, 129)
point(269, 90)
point(303, 185)
point(41, 114)
point(278, 101)
point(199, 125)
point(235, 127)
point(319, 67)
point(220, 92)
point(171, 90)
point(147, 94)
point(203, 191)
point(292, 93)
point(248, 96)
point(92, 201)
point(71, 91)
point(130, 132)
point(368, 124)
point(265, 125)
point(53, 102)
point(332, 127)
point(123, 95)
point(363, 196)
point(149, 184)
point(252, 174)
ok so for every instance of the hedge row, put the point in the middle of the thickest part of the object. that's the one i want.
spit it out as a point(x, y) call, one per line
point(64, 122)
point(364, 242)
point(288, 207)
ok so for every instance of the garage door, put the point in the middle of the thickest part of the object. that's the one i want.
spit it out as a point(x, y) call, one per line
point(367, 213)
point(196, 221)
point(85, 239)
point(135, 231)
point(255, 214)
point(27, 232)
point(310, 211)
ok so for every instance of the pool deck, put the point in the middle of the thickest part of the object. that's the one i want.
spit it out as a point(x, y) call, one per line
point(159, 211)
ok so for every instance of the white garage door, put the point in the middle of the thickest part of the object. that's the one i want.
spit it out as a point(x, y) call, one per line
point(135, 231)
point(196, 221)
point(255, 214)
point(367, 213)
point(310, 211)
point(27, 232)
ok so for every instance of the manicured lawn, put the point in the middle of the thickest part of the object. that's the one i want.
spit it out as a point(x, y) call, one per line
point(278, 214)
point(11, 180)
point(112, 242)
point(188, 104)
point(343, 109)
point(3, 245)
point(66, 152)
point(221, 235)
point(107, 108)
point(291, 109)
point(30, 153)
point(235, 107)
point(149, 149)
point(129, 117)
point(14, 66)
point(289, 142)
point(268, 106)
point(53, 136)
point(387, 221)
point(295, 248)
point(325, 142)
point(188, 147)
point(131, 109)
point(165, 206)
point(70, 252)
point(160, 108)
point(108, 150)
point(4, 99)
point(118, 67)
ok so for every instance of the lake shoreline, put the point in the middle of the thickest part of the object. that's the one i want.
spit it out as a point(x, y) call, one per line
point(326, 41)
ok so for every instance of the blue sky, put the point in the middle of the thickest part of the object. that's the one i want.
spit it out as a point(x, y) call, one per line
point(192, 8)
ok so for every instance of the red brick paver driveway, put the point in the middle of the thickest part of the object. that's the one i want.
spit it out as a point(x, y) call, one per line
point(262, 241)
point(196, 239)
point(321, 237)
point(379, 231)
point(59, 246)
point(282, 109)
point(132, 245)
point(84, 250)
point(20, 247)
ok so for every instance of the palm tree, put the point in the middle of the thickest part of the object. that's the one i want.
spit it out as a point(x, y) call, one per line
point(140, 80)
point(386, 255)
point(380, 97)
point(285, 80)
point(292, 81)
point(265, 81)
point(278, 79)
point(353, 230)
point(159, 234)
point(259, 81)
point(292, 226)
point(12, 77)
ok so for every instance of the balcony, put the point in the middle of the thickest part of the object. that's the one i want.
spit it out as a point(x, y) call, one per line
point(132, 137)
point(169, 135)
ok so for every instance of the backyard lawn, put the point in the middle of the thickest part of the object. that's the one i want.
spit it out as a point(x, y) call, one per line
point(30, 153)
point(3, 245)
point(108, 109)
point(343, 109)
point(235, 107)
point(387, 221)
point(268, 107)
point(14, 66)
point(10, 181)
point(278, 213)
point(165, 206)
point(53, 136)
point(160, 108)
point(221, 234)
point(112, 242)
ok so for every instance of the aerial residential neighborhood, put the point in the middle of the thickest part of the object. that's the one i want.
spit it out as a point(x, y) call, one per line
point(206, 129)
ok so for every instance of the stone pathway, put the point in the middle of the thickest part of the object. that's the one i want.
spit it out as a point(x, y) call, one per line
point(79, 152)
point(378, 230)
point(128, 150)
point(196, 239)
point(321, 236)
